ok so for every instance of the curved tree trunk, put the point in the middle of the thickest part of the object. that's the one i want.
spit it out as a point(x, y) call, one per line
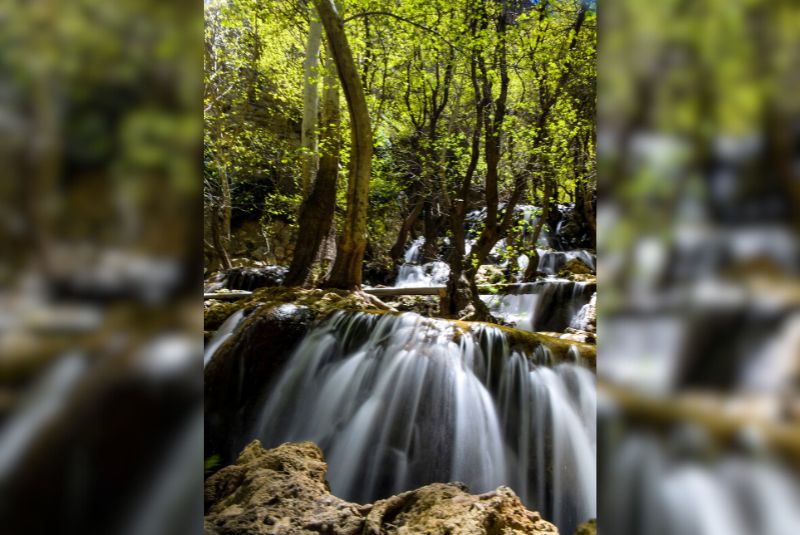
point(346, 272)
point(316, 213)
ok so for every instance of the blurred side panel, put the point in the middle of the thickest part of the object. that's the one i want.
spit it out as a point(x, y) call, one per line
point(100, 218)
point(699, 260)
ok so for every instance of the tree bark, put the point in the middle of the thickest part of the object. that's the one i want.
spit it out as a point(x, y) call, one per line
point(217, 240)
point(400, 243)
point(533, 259)
point(317, 210)
point(308, 134)
point(347, 268)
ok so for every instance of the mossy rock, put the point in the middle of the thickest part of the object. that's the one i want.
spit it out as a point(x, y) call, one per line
point(321, 302)
point(490, 274)
point(527, 342)
point(575, 267)
point(216, 312)
point(587, 528)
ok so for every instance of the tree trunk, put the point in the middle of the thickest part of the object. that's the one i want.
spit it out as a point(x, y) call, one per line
point(308, 134)
point(216, 239)
point(431, 232)
point(533, 259)
point(226, 207)
point(400, 243)
point(316, 213)
point(347, 268)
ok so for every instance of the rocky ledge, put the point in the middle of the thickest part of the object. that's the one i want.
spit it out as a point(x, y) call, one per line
point(284, 491)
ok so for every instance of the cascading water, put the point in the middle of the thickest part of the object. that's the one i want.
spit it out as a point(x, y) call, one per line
point(223, 333)
point(399, 401)
point(411, 273)
point(674, 493)
point(546, 305)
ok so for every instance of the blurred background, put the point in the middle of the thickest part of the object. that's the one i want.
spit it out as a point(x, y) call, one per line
point(100, 242)
point(100, 267)
point(699, 333)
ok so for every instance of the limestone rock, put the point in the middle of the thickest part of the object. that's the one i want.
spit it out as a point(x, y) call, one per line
point(575, 267)
point(490, 274)
point(283, 491)
point(449, 509)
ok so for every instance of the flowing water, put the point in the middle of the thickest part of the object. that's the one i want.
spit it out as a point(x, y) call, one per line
point(659, 490)
point(545, 305)
point(400, 401)
point(221, 335)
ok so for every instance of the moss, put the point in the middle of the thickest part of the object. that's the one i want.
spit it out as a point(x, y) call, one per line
point(323, 302)
point(216, 312)
point(320, 302)
point(527, 342)
point(587, 528)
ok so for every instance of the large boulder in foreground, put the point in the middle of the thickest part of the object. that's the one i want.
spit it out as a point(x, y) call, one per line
point(283, 491)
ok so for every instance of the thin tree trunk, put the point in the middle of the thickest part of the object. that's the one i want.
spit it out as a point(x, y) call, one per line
point(227, 203)
point(216, 238)
point(398, 248)
point(533, 259)
point(308, 134)
point(347, 269)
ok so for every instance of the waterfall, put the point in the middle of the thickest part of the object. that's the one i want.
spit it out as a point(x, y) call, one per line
point(551, 262)
point(223, 333)
point(546, 305)
point(430, 274)
point(411, 273)
point(661, 491)
point(414, 250)
point(400, 401)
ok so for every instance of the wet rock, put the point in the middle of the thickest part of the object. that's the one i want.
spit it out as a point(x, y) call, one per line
point(283, 491)
point(216, 312)
point(587, 528)
point(243, 368)
point(424, 305)
point(248, 278)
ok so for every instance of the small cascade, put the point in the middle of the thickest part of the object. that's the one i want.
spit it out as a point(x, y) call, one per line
point(551, 262)
point(247, 278)
point(400, 401)
point(676, 494)
point(586, 316)
point(413, 274)
point(545, 305)
point(430, 274)
point(223, 333)
point(414, 251)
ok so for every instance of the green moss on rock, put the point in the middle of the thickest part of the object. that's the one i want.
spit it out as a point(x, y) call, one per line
point(320, 302)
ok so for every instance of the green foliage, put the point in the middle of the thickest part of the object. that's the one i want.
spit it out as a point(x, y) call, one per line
point(211, 463)
point(416, 59)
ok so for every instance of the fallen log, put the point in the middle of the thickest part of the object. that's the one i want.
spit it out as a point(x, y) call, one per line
point(488, 289)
